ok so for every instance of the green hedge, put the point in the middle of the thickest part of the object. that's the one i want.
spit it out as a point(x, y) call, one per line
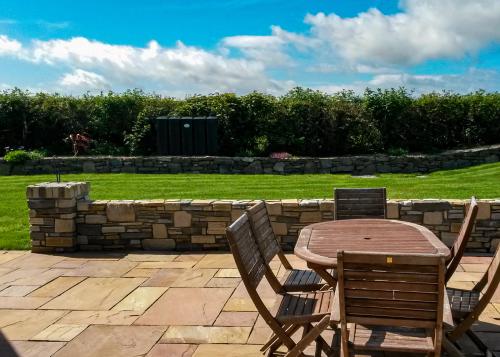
point(302, 122)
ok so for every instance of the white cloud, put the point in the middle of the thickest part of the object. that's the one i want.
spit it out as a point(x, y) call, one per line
point(182, 67)
point(8, 46)
point(84, 80)
point(425, 29)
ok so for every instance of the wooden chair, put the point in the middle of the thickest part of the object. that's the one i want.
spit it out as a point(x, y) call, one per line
point(294, 310)
point(269, 247)
point(353, 203)
point(395, 302)
point(458, 249)
point(467, 305)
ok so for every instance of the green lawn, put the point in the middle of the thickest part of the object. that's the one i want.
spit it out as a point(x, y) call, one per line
point(482, 181)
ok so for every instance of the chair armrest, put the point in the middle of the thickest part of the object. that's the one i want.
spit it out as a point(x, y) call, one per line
point(335, 314)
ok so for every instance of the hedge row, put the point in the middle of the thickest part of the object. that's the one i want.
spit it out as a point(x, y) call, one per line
point(302, 122)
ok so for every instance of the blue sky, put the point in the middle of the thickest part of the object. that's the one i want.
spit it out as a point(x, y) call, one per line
point(179, 48)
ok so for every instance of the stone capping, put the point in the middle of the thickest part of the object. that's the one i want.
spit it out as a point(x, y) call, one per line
point(62, 218)
point(359, 165)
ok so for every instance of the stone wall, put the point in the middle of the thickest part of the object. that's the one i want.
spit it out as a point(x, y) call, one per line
point(259, 165)
point(63, 217)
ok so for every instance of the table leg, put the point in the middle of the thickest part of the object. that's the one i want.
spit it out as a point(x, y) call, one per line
point(327, 277)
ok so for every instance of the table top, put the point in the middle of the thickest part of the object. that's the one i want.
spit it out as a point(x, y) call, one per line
point(318, 243)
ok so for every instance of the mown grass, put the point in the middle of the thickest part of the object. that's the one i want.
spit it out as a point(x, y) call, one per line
point(482, 181)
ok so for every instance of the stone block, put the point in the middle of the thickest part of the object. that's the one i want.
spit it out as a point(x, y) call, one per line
point(88, 167)
point(172, 205)
point(327, 205)
point(274, 208)
point(60, 241)
point(430, 206)
point(113, 229)
point(279, 229)
point(290, 203)
point(120, 211)
point(216, 228)
point(89, 229)
point(95, 219)
point(433, 218)
point(236, 213)
point(203, 239)
point(222, 206)
point(64, 225)
point(392, 210)
point(159, 231)
point(448, 238)
point(158, 244)
point(484, 210)
point(182, 219)
point(455, 227)
point(310, 217)
point(66, 203)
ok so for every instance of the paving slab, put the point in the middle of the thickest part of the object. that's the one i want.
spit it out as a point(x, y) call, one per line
point(140, 273)
point(206, 334)
point(57, 286)
point(140, 299)
point(113, 341)
point(151, 257)
point(228, 273)
point(167, 265)
point(236, 318)
point(223, 283)
point(217, 261)
point(103, 269)
point(59, 332)
point(33, 260)
point(21, 302)
point(164, 277)
point(24, 324)
point(18, 290)
point(172, 350)
point(227, 351)
point(186, 306)
point(194, 278)
point(95, 294)
point(109, 317)
point(29, 348)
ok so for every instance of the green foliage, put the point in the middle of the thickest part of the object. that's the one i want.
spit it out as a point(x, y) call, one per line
point(16, 157)
point(302, 122)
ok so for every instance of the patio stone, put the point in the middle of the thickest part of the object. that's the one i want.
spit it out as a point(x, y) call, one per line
point(150, 257)
point(227, 351)
point(236, 318)
point(194, 278)
point(140, 299)
point(228, 273)
point(112, 317)
point(223, 283)
point(474, 268)
point(164, 277)
point(95, 294)
point(113, 341)
point(59, 332)
point(217, 261)
point(206, 334)
point(30, 276)
point(70, 263)
point(140, 273)
point(188, 257)
point(166, 265)
point(33, 260)
point(29, 348)
point(172, 350)
point(200, 306)
point(466, 276)
point(18, 290)
point(7, 256)
point(57, 286)
point(102, 269)
point(21, 302)
point(24, 324)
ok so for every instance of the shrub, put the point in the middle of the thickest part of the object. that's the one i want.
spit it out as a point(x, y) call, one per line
point(17, 157)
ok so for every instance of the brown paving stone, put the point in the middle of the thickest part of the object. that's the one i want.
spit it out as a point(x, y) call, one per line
point(464, 285)
point(228, 273)
point(18, 290)
point(8, 255)
point(227, 351)
point(166, 265)
point(4, 271)
point(223, 283)
point(112, 317)
point(164, 277)
point(474, 268)
point(31, 276)
point(95, 294)
point(70, 263)
point(186, 306)
point(33, 260)
point(217, 261)
point(103, 269)
point(151, 257)
point(466, 276)
point(24, 324)
point(206, 334)
point(21, 302)
point(185, 257)
point(140, 273)
point(172, 350)
point(113, 341)
point(194, 278)
point(140, 299)
point(29, 348)
point(236, 318)
point(59, 332)
point(57, 286)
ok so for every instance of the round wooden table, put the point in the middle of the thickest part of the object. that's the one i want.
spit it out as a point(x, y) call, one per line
point(318, 243)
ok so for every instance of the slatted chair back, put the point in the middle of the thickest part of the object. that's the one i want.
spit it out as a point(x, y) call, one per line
point(487, 287)
point(458, 248)
point(353, 203)
point(391, 290)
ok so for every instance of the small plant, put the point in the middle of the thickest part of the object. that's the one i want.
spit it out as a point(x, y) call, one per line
point(20, 156)
point(397, 152)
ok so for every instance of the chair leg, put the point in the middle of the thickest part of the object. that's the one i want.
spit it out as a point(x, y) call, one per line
point(451, 349)
point(311, 336)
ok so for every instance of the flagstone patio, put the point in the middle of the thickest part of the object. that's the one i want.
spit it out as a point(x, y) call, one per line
point(142, 304)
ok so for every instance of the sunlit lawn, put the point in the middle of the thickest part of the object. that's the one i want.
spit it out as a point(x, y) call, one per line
point(482, 181)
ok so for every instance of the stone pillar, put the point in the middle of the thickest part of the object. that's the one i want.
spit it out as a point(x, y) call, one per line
point(52, 215)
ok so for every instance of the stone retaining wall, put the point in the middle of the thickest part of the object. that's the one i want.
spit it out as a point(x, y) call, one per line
point(62, 217)
point(259, 165)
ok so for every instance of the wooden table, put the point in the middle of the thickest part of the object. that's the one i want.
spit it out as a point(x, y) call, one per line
point(318, 243)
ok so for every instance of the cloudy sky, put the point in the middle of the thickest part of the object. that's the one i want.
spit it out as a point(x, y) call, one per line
point(183, 47)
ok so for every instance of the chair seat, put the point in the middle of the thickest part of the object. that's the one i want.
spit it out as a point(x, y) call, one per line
point(392, 339)
point(301, 280)
point(462, 301)
point(305, 307)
